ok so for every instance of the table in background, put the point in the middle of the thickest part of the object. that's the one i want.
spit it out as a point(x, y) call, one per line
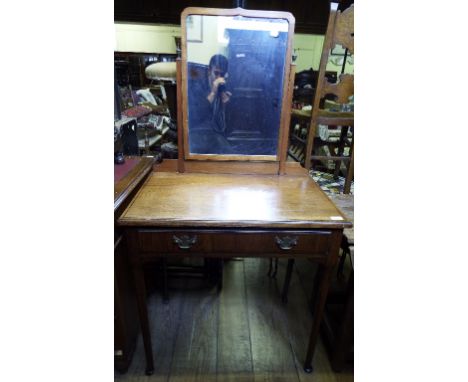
point(128, 178)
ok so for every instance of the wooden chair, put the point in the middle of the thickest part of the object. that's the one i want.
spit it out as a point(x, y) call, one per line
point(340, 31)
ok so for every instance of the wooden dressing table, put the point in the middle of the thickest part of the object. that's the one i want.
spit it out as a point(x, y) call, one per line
point(210, 215)
point(226, 205)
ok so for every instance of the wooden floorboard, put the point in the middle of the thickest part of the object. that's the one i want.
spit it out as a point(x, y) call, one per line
point(271, 351)
point(234, 342)
point(244, 333)
point(195, 352)
point(164, 321)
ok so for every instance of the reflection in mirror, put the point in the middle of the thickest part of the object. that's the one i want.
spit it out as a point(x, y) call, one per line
point(235, 73)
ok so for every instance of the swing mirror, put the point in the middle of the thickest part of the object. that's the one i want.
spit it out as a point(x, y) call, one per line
point(235, 73)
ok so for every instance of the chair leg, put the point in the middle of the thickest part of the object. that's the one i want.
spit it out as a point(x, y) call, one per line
point(165, 287)
point(287, 281)
point(344, 245)
point(314, 296)
point(345, 333)
point(273, 268)
point(341, 146)
point(310, 145)
point(273, 276)
point(350, 172)
point(340, 273)
point(270, 267)
point(220, 274)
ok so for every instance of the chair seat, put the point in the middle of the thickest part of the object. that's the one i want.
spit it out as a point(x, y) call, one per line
point(327, 117)
point(334, 118)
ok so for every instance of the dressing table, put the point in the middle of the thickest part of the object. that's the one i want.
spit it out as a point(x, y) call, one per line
point(239, 197)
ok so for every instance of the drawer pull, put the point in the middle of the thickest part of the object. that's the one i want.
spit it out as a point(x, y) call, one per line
point(286, 242)
point(185, 241)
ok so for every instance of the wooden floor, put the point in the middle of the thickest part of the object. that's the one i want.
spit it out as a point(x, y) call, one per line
point(244, 333)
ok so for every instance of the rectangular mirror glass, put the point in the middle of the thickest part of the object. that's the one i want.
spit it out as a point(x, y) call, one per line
point(235, 76)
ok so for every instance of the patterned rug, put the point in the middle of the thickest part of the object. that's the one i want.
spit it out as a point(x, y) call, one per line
point(328, 184)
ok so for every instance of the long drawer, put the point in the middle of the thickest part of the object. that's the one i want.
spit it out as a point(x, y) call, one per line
point(234, 242)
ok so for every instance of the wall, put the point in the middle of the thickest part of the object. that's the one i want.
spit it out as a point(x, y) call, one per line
point(160, 39)
point(145, 38)
point(309, 49)
point(211, 44)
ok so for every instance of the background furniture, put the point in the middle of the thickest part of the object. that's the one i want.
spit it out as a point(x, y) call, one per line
point(305, 83)
point(130, 66)
point(128, 178)
point(338, 322)
point(340, 30)
point(148, 99)
point(125, 136)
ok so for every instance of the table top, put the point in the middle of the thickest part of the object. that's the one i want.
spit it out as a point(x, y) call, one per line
point(221, 200)
point(345, 202)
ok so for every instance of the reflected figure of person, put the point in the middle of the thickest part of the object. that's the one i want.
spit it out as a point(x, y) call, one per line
point(208, 97)
point(218, 96)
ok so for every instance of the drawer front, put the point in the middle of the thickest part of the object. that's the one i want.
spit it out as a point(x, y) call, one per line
point(240, 243)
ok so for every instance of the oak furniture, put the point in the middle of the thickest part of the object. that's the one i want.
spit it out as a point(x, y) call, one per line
point(223, 204)
point(340, 30)
point(225, 215)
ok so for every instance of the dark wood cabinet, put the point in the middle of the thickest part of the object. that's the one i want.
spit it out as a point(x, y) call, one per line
point(125, 309)
point(128, 178)
point(311, 16)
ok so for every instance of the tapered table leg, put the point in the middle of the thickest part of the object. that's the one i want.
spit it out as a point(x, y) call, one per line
point(220, 274)
point(318, 314)
point(287, 281)
point(143, 313)
point(165, 286)
point(345, 333)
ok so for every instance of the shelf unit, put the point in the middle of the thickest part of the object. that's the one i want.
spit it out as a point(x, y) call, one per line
point(147, 143)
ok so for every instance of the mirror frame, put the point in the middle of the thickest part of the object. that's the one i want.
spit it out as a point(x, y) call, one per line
point(285, 110)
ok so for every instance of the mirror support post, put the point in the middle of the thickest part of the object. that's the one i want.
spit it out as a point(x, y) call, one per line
point(287, 102)
point(180, 130)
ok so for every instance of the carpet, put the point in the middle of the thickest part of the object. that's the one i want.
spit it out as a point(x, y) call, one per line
point(328, 183)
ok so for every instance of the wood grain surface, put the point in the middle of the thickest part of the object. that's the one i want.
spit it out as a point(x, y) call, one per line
point(234, 347)
point(272, 360)
point(124, 187)
point(199, 200)
point(265, 168)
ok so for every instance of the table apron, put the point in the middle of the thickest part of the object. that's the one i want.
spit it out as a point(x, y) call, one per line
point(149, 243)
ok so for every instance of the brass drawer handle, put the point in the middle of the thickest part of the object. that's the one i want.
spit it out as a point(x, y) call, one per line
point(286, 242)
point(185, 241)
